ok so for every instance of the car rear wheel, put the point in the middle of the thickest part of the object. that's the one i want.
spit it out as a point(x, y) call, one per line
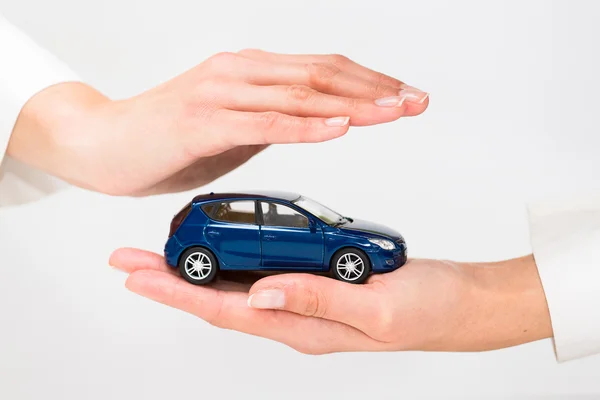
point(350, 265)
point(198, 266)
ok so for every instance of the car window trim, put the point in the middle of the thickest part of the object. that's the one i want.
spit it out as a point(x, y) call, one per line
point(258, 215)
point(215, 203)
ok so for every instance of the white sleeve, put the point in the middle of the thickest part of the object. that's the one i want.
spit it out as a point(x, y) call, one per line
point(565, 237)
point(25, 69)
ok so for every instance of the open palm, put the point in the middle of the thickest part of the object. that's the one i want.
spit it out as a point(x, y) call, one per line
point(424, 305)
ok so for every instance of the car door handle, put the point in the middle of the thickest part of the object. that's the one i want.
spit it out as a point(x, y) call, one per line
point(213, 233)
point(269, 237)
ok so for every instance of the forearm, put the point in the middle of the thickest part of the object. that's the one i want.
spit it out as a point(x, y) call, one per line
point(554, 292)
point(511, 306)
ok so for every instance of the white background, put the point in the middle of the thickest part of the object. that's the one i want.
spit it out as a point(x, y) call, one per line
point(512, 118)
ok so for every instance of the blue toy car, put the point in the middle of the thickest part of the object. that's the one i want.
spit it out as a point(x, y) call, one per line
point(277, 231)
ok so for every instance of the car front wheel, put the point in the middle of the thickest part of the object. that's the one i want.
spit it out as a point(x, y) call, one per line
point(350, 265)
point(198, 266)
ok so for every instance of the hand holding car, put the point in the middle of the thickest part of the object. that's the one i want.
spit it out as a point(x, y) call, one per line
point(424, 305)
point(420, 305)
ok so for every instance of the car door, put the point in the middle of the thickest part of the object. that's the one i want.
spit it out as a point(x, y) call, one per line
point(287, 239)
point(234, 234)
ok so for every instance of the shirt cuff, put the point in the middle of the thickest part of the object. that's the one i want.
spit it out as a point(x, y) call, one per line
point(565, 237)
point(25, 70)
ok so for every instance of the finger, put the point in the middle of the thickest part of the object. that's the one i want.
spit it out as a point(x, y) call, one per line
point(359, 306)
point(130, 260)
point(248, 128)
point(342, 62)
point(416, 100)
point(320, 66)
point(230, 311)
point(303, 101)
point(324, 77)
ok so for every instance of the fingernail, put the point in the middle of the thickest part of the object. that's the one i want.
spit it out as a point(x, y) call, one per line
point(337, 121)
point(270, 298)
point(392, 101)
point(413, 94)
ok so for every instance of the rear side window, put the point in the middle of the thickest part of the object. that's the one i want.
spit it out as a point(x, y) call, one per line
point(179, 218)
point(240, 212)
point(209, 208)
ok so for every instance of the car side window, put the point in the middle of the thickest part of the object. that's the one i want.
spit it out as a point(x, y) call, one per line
point(275, 214)
point(240, 212)
point(208, 208)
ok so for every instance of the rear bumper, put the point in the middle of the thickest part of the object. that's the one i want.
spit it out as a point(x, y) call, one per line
point(173, 250)
point(388, 260)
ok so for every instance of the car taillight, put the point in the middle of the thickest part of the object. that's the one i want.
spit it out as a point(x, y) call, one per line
point(174, 227)
point(179, 218)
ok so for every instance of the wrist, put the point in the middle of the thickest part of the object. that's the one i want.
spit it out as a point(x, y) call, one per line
point(45, 124)
point(515, 304)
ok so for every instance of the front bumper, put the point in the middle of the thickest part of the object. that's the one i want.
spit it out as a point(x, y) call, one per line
point(388, 260)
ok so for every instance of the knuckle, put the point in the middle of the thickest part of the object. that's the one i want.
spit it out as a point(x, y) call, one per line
point(315, 303)
point(350, 103)
point(224, 56)
point(303, 130)
point(386, 80)
point(322, 74)
point(311, 305)
point(300, 92)
point(269, 120)
point(250, 52)
point(219, 61)
point(338, 59)
point(379, 89)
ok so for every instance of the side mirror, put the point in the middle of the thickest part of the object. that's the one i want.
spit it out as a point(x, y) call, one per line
point(312, 225)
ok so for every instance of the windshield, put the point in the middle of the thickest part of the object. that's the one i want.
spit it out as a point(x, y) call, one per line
point(318, 210)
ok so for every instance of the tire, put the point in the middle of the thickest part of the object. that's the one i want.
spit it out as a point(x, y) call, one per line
point(350, 257)
point(193, 265)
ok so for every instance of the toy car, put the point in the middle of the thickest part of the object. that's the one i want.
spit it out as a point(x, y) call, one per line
point(277, 231)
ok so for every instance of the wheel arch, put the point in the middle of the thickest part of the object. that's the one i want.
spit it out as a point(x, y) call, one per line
point(348, 247)
point(202, 247)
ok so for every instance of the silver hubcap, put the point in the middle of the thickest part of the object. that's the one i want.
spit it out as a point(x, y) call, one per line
point(198, 265)
point(350, 266)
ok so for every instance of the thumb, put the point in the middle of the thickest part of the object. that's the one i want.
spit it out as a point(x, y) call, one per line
point(318, 296)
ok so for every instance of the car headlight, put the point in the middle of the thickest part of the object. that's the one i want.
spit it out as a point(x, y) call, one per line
point(384, 244)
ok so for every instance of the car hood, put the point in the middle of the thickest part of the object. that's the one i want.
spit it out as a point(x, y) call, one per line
point(370, 227)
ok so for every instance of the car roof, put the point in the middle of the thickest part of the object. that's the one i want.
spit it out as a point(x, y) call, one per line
point(258, 194)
